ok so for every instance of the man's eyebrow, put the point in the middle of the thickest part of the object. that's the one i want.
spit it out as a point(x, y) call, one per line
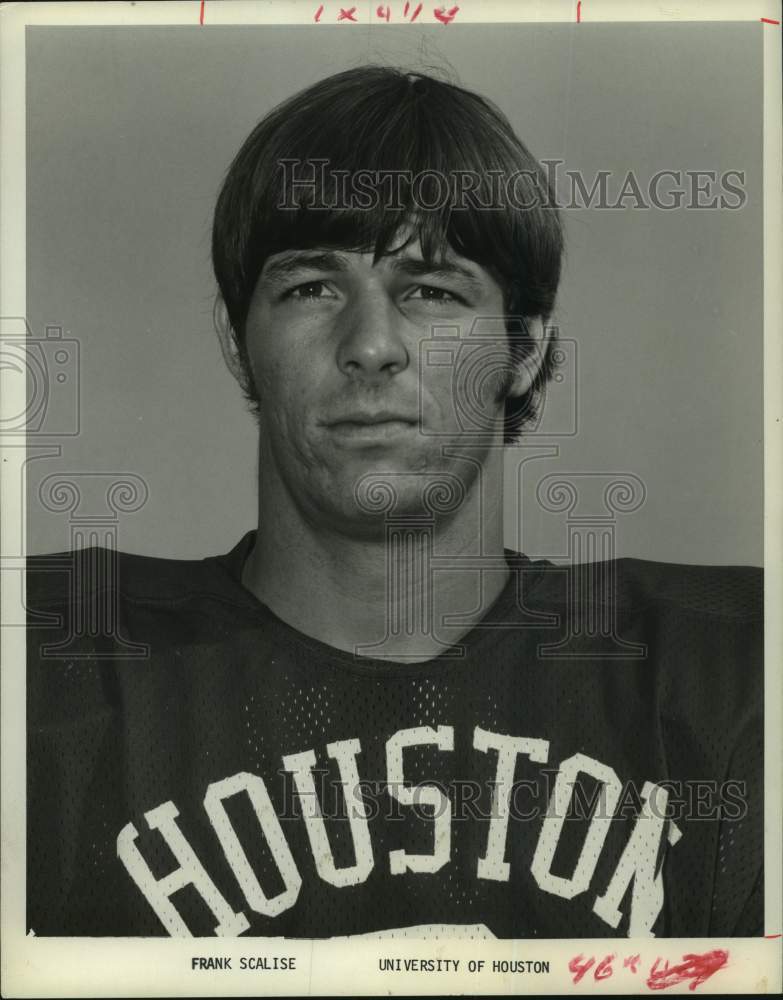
point(442, 269)
point(292, 263)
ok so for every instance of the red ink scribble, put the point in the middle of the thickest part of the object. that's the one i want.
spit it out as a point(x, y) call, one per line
point(416, 12)
point(579, 12)
point(201, 13)
point(406, 9)
point(771, 937)
point(768, 20)
point(318, 13)
point(347, 15)
point(698, 968)
point(604, 968)
point(632, 963)
point(382, 11)
point(578, 966)
point(445, 16)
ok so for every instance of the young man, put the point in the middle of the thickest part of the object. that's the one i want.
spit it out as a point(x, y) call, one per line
point(368, 715)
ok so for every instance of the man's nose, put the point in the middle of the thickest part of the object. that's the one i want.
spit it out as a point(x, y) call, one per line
point(371, 344)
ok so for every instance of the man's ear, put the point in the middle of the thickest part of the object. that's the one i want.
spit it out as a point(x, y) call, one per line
point(228, 340)
point(526, 370)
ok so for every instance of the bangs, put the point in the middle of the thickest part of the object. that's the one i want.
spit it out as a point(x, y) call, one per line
point(376, 166)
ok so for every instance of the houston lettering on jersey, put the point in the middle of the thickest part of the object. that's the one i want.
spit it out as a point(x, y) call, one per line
point(638, 868)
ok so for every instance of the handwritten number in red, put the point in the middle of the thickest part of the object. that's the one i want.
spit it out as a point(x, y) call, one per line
point(604, 968)
point(697, 968)
point(445, 16)
point(578, 966)
point(693, 969)
point(384, 12)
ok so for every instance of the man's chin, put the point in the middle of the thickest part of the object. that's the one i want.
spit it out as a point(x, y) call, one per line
point(386, 495)
point(361, 495)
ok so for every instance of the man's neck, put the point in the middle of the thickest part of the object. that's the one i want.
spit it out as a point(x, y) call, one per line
point(386, 597)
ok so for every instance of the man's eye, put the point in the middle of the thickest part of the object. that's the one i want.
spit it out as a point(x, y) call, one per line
point(310, 290)
point(431, 293)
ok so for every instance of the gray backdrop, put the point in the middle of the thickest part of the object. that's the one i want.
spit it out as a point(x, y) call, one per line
point(130, 130)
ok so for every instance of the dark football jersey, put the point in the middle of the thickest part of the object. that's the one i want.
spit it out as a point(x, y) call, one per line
point(586, 762)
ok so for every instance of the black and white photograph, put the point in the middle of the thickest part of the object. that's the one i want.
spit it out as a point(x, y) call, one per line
point(391, 546)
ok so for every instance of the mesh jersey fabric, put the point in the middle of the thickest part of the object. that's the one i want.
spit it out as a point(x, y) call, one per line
point(585, 766)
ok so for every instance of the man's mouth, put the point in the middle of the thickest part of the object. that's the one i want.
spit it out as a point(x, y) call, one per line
point(368, 425)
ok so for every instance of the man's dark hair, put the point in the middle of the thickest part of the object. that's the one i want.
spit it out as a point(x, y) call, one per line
point(387, 122)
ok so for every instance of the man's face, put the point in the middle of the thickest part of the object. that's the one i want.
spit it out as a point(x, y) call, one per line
point(334, 347)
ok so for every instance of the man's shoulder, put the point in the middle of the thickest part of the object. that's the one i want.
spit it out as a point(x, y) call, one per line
point(66, 578)
point(638, 585)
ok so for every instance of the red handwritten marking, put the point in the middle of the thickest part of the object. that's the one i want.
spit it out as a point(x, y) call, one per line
point(347, 15)
point(579, 12)
point(445, 16)
point(578, 966)
point(770, 937)
point(632, 963)
point(416, 12)
point(201, 13)
point(698, 968)
point(604, 968)
point(768, 20)
point(380, 12)
point(406, 9)
point(318, 13)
